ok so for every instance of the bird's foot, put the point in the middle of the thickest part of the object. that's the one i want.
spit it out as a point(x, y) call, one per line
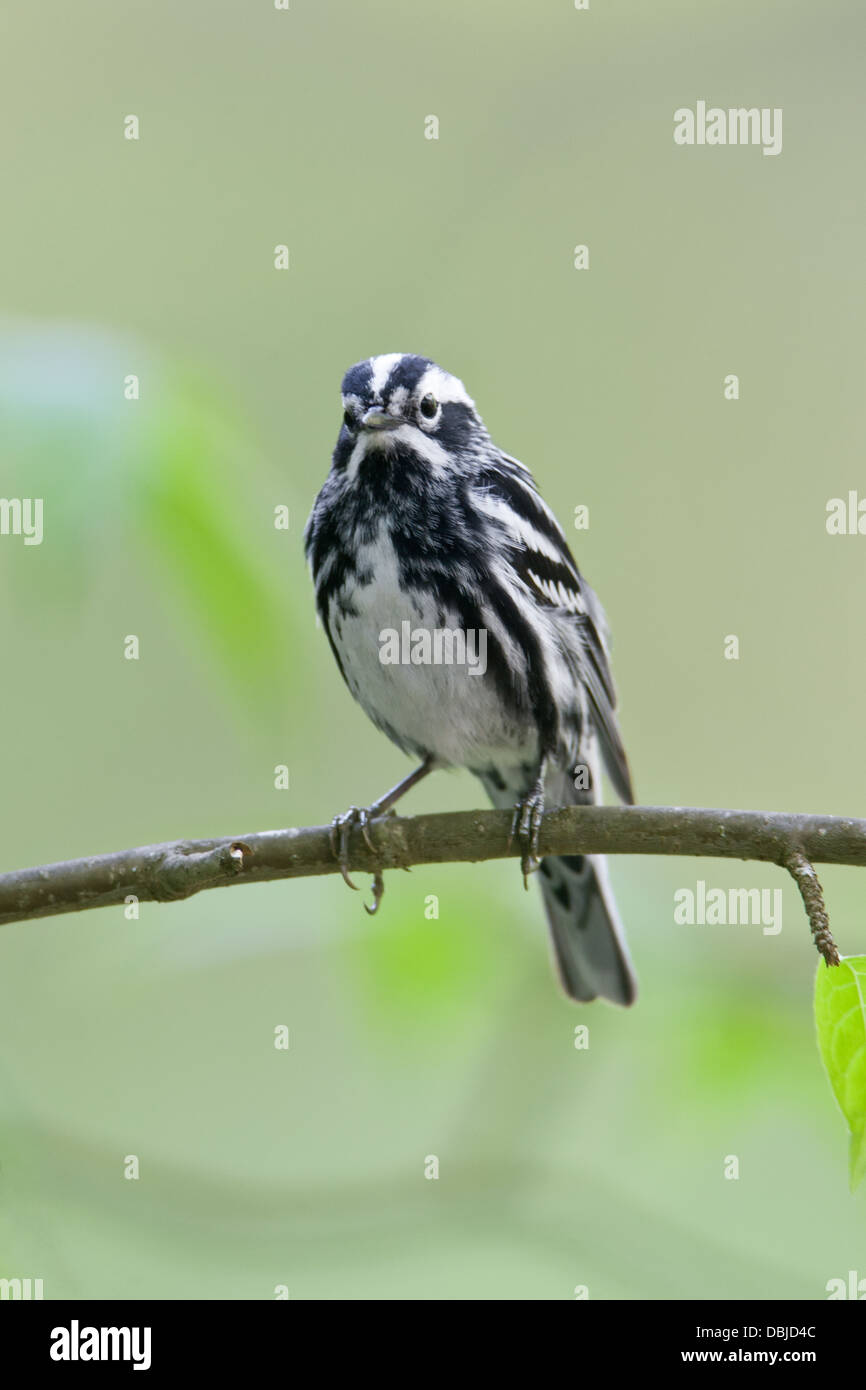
point(341, 828)
point(526, 826)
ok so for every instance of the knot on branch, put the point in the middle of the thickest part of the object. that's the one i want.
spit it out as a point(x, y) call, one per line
point(186, 869)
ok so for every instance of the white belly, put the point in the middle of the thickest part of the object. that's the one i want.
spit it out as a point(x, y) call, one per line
point(431, 705)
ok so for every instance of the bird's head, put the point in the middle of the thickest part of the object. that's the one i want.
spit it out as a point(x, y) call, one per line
point(398, 401)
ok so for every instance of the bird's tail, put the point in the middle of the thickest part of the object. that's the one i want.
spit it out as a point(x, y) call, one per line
point(588, 940)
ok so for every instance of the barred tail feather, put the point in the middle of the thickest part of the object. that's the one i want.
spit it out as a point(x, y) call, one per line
point(588, 941)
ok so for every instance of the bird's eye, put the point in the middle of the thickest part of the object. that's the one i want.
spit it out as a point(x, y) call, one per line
point(429, 407)
point(348, 419)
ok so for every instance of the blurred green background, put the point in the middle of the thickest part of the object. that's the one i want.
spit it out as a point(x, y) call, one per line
point(412, 1037)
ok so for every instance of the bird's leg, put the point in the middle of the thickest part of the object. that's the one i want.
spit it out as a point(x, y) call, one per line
point(342, 826)
point(526, 824)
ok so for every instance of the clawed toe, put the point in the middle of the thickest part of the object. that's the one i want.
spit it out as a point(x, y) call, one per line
point(341, 828)
point(526, 827)
point(378, 894)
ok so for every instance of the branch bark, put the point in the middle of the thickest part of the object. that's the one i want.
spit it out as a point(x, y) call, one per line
point(169, 872)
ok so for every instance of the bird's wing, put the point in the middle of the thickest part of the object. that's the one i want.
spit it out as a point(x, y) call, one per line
point(541, 559)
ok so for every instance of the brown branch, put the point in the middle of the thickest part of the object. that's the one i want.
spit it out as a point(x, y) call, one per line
point(168, 872)
point(813, 900)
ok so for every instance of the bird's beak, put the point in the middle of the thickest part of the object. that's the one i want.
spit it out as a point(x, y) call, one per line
point(376, 419)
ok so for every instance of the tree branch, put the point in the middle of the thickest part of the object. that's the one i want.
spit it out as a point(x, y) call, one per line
point(812, 894)
point(168, 872)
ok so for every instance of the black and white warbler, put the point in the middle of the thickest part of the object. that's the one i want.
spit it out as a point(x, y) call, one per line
point(424, 525)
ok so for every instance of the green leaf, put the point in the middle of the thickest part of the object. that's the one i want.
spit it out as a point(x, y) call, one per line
point(840, 1017)
point(193, 509)
point(179, 472)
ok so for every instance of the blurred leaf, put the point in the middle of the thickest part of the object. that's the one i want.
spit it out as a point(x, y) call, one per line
point(189, 499)
point(431, 970)
point(69, 438)
point(175, 468)
point(758, 1042)
point(840, 1016)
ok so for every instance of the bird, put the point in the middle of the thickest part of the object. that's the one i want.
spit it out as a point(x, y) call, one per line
point(424, 526)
